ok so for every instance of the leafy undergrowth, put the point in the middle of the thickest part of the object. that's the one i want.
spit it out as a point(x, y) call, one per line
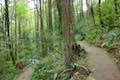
point(52, 68)
point(81, 72)
point(7, 70)
point(110, 41)
point(115, 54)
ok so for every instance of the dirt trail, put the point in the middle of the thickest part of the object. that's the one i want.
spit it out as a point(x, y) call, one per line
point(104, 68)
point(25, 75)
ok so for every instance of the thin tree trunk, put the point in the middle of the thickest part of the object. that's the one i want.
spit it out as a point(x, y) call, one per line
point(116, 6)
point(50, 28)
point(100, 16)
point(2, 18)
point(43, 49)
point(58, 4)
point(19, 28)
point(59, 10)
point(7, 24)
point(37, 25)
point(15, 44)
point(92, 13)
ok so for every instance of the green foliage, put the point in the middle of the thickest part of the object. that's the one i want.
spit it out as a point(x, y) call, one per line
point(93, 32)
point(112, 37)
point(21, 9)
point(7, 70)
point(28, 46)
point(52, 67)
point(48, 68)
point(83, 53)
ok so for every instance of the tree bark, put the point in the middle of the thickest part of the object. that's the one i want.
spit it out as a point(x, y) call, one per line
point(50, 28)
point(68, 34)
point(15, 44)
point(36, 14)
point(2, 25)
point(7, 25)
point(59, 10)
point(116, 6)
point(43, 48)
point(100, 16)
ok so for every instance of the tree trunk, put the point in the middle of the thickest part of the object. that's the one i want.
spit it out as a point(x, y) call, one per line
point(7, 25)
point(43, 48)
point(68, 35)
point(100, 16)
point(36, 13)
point(59, 10)
point(50, 28)
point(58, 4)
point(15, 43)
point(19, 28)
point(116, 6)
point(2, 26)
point(92, 13)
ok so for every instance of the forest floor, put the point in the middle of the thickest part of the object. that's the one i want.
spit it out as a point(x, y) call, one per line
point(26, 74)
point(102, 65)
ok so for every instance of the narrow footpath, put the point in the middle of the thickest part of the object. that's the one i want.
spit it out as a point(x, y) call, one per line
point(26, 74)
point(102, 65)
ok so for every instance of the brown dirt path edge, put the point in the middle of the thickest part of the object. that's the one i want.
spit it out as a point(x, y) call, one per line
point(103, 66)
point(26, 74)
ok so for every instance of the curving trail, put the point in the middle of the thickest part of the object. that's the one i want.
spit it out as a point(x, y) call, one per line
point(103, 66)
point(26, 74)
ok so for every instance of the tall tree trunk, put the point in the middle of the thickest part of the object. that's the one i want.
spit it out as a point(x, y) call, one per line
point(58, 4)
point(19, 28)
point(15, 44)
point(2, 24)
point(37, 24)
point(92, 13)
point(50, 28)
point(100, 16)
point(43, 49)
point(7, 25)
point(59, 10)
point(116, 6)
point(68, 34)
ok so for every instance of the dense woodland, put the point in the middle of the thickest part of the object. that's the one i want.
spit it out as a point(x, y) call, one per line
point(46, 35)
